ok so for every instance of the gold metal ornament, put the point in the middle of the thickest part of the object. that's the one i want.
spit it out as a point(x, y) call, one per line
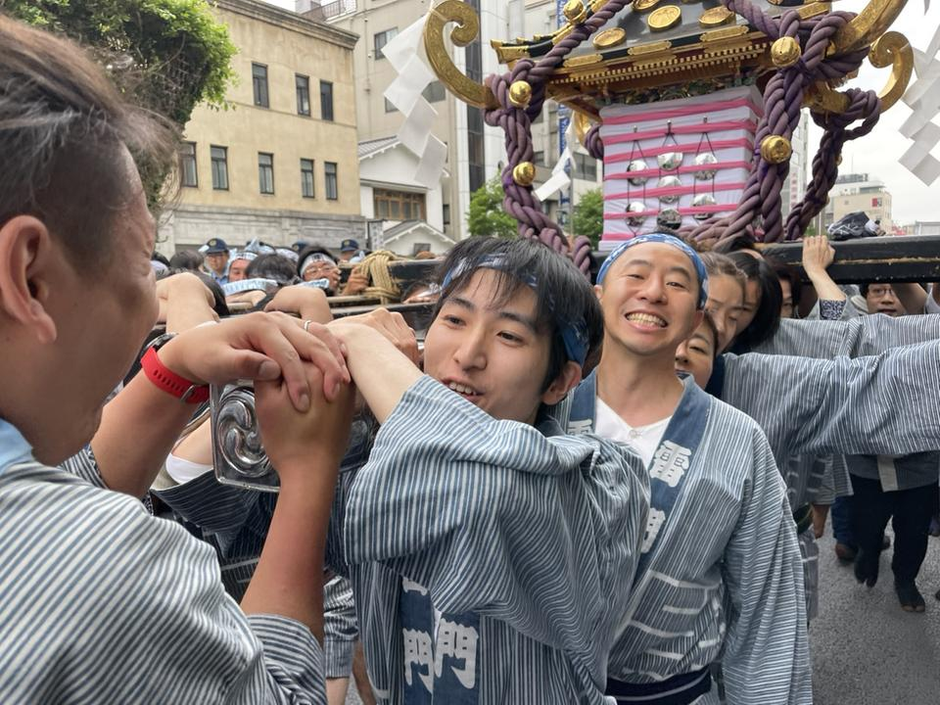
point(524, 173)
point(716, 16)
point(644, 5)
point(520, 93)
point(610, 38)
point(575, 11)
point(891, 49)
point(664, 18)
point(785, 52)
point(775, 149)
point(468, 27)
point(582, 125)
point(867, 25)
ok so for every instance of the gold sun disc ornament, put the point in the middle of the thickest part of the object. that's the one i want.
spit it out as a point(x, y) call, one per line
point(644, 5)
point(716, 16)
point(610, 38)
point(664, 18)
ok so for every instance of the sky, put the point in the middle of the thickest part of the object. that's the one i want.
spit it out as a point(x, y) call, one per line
point(877, 154)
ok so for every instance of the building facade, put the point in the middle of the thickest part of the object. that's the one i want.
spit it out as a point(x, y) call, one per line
point(857, 192)
point(280, 164)
point(475, 151)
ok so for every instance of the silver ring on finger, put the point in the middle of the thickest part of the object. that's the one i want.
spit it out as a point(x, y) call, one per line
point(307, 325)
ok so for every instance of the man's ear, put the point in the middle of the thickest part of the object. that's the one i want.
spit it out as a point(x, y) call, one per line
point(697, 320)
point(567, 379)
point(26, 264)
point(598, 291)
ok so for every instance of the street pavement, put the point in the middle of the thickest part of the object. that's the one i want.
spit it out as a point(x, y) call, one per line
point(866, 650)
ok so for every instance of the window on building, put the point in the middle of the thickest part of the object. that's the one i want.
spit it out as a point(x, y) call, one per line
point(188, 176)
point(434, 92)
point(445, 215)
point(332, 185)
point(303, 94)
point(219, 167)
point(306, 178)
point(259, 83)
point(538, 158)
point(585, 167)
point(326, 100)
point(389, 107)
point(381, 39)
point(265, 172)
point(398, 205)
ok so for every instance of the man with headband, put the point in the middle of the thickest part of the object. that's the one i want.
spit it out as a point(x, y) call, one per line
point(719, 573)
point(490, 554)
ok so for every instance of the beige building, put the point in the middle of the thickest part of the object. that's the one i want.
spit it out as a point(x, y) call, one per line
point(475, 151)
point(857, 192)
point(281, 162)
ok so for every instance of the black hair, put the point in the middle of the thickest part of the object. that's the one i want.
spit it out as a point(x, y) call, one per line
point(709, 322)
point(189, 260)
point(564, 295)
point(276, 267)
point(735, 244)
point(785, 271)
point(767, 317)
point(157, 257)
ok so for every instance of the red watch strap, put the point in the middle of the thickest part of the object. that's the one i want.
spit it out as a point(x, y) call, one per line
point(170, 382)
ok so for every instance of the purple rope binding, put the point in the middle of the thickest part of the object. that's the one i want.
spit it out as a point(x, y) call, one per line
point(516, 123)
point(783, 97)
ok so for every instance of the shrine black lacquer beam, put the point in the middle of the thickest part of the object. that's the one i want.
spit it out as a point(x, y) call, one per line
point(874, 259)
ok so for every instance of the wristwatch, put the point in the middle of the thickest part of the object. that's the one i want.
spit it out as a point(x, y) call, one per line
point(164, 378)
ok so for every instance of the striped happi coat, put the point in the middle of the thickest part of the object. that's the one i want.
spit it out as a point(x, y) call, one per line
point(533, 534)
point(103, 603)
point(724, 579)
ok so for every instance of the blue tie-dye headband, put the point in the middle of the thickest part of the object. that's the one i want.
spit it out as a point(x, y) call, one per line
point(573, 334)
point(666, 240)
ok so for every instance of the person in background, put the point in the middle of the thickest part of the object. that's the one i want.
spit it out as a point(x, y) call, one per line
point(238, 265)
point(190, 260)
point(217, 259)
point(349, 251)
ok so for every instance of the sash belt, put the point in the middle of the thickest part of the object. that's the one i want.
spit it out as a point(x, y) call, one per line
point(678, 690)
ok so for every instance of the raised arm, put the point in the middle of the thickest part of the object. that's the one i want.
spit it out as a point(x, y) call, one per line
point(876, 405)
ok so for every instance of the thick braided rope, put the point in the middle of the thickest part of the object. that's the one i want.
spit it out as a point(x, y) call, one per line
point(516, 123)
point(783, 98)
point(381, 282)
point(865, 106)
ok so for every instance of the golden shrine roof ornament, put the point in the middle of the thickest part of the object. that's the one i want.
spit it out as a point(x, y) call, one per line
point(619, 53)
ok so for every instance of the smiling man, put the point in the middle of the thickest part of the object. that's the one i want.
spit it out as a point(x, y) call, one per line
point(719, 574)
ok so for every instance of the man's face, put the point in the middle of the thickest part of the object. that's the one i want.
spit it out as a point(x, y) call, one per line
point(101, 319)
point(697, 354)
point(217, 261)
point(323, 270)
point(882, 299)
point(725, 301)
point(649, 299)
point(346, 256)
point(786, 308)
point(492, 356)
point(236, 272)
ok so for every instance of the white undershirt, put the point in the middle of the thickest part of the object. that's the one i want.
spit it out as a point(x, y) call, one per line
point(643, 440)
point(182, 470)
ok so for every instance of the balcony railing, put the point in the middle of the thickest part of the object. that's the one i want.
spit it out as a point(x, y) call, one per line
point(331, 9)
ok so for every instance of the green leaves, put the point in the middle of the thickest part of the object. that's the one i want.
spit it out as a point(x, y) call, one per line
point(588, 219)
point(486, 215)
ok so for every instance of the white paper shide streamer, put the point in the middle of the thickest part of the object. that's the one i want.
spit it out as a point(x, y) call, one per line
point(405, 94)
point(923, 97)
point(559, 178)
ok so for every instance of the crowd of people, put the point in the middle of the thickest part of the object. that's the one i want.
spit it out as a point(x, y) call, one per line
point(574, 493)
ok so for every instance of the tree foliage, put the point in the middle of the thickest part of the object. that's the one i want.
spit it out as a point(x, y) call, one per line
point(588, 219)
point(486, 215)
point(166, 55)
